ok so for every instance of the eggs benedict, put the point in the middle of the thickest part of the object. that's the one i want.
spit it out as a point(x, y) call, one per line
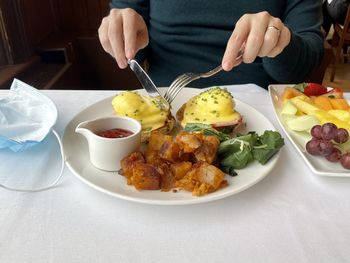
point(214, 106)
point(149, 111)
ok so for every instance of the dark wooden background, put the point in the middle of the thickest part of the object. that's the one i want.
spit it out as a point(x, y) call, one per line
point(57, 29)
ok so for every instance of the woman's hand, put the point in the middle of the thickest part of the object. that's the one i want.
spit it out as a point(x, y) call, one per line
point(122, 33)
point(257, 35)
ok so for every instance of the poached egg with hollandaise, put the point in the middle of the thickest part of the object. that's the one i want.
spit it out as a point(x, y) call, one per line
point(214, 106)
point(149, 111)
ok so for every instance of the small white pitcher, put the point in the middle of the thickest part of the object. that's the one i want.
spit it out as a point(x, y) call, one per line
point(106, 153)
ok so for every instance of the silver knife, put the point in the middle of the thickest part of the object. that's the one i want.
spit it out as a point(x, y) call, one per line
point(146, 81)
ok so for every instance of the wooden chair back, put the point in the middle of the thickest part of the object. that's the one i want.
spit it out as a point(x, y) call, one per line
point(340, 42)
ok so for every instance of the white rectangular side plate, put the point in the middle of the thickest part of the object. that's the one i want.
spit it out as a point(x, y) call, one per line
point(318, 165)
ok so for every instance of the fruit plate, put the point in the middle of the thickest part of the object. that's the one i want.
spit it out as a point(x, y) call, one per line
point(317, 164)
point(77, 159)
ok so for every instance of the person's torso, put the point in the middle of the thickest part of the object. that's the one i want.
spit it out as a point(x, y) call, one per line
point(191, 36)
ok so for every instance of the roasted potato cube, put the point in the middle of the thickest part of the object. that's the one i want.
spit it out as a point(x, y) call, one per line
point(202, 179)
point(188, 141)
point(211, 175)
point(167, 181)
point(145, 177)
point(214, 141)
point(152, 157)
point(188, 182)
point(204, 147)
point(170, 151)
point(128, 163)
point(186, 157)
point(180, 169)
point(206, 152)
point(157, 139)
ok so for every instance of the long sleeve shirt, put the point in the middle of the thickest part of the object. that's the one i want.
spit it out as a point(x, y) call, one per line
point(191, 36)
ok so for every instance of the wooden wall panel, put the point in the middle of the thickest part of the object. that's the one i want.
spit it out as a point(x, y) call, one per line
point(81, 15)
point(93, 13)
point(64, 14)
point(99, 70)
point(38, 19)
point(104, 7)
point(16, 46)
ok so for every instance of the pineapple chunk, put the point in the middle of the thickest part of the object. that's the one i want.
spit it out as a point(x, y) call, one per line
point(325, 117)
point(304, 105)
point(342, 115)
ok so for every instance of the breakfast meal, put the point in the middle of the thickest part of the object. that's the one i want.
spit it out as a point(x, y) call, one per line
point(215, 107)
point(149, 111)
point(322, 113)
point(197, 158)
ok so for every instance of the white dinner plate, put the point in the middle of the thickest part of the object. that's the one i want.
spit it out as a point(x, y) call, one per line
point(77, 158)
point(317, 164)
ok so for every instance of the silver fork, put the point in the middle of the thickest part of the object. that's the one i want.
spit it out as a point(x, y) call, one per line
point(180, 82)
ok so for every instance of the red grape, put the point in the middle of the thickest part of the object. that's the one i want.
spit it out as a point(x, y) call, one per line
point(316, 132)
point(326, 147)
point(334, 156)
point(324, 140)
point(341, 136)
point(329, 130)
point(313, 147)
point(345, 160)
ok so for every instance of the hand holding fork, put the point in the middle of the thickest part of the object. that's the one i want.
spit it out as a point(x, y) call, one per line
point(180, 82)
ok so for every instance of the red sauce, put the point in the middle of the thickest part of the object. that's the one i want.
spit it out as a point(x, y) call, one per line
point(115, 133)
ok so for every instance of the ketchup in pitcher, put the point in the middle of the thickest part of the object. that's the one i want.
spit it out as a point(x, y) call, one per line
point(115, 133)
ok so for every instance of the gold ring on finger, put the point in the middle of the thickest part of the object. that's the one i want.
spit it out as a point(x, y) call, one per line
point(274, 27)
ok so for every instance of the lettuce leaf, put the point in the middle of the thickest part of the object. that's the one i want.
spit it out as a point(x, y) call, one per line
point(207, 130)
point(238, 152)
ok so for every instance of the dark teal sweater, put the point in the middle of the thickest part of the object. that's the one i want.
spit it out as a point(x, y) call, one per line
point(191, 36)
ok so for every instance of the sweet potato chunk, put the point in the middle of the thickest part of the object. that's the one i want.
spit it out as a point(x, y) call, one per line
point(145, 177)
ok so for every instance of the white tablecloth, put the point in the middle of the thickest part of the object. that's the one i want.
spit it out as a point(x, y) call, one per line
point(290, 216)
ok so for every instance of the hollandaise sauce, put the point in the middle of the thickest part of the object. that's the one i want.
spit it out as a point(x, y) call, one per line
point(115, 133)
point(147, 110)
point(215, 105)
